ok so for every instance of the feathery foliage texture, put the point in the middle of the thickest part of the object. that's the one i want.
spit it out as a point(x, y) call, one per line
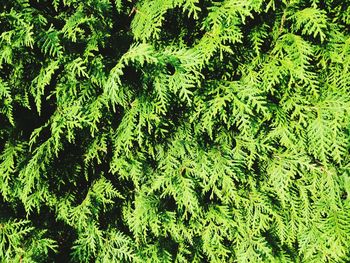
point(174, 131)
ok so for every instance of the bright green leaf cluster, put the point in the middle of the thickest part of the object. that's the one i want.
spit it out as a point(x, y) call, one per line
point(174, 131)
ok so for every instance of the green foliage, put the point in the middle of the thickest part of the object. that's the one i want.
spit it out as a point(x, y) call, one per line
point(174, 131)
point(19, 242)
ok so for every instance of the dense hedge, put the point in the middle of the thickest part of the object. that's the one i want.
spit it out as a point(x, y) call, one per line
point(174, 131)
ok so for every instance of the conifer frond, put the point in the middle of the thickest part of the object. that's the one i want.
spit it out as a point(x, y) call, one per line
point(17, 244)
point(5, 96)
point(311, 21)
point(42, 80)
point(51, 43)
point(174, 131)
